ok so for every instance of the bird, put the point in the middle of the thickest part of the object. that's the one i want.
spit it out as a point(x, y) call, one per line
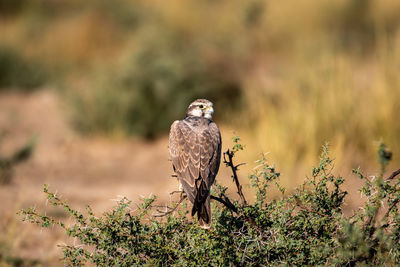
point(195, 150)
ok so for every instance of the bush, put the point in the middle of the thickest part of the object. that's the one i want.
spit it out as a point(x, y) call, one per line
point(8, 259)
point(11, 7)
point(306, 227)
point(17, 72)
point(7, 164)
point(152, 87)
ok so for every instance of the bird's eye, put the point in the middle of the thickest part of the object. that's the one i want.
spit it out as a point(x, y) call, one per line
point(201, 106)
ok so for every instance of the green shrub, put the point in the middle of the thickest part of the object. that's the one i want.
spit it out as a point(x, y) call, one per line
point(18, 73)
point(11, 7)
point(7, 164)
point(152, 87)
point(306, 227)
point(7, 257)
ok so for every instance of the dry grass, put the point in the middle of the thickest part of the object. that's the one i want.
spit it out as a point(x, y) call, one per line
point(310, 72)
point(349, 102)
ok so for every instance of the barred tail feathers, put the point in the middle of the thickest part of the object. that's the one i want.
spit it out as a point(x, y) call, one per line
point(201, 206)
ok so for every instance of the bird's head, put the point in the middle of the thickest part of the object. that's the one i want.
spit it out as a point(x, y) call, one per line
point(201, 108)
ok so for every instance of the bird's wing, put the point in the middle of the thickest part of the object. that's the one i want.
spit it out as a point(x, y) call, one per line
point(185, 154)
point(210, 155)
point(195, 157)
point(210, 145)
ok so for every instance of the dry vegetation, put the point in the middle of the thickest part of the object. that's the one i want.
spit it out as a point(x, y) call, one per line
point(303, 72)
point(286, 76)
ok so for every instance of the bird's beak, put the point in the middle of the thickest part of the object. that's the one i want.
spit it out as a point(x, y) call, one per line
point(211, 110)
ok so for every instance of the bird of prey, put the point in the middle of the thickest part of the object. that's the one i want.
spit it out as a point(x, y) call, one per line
point(195, 149)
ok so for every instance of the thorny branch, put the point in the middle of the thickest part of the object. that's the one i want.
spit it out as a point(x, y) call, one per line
point(226, 201)
point(391, 207)
point(170, 210)
point(371, 219)
point(228, 160)
point(393, 175)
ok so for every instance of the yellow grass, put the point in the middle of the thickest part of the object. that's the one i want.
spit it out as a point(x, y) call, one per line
point(311, 71)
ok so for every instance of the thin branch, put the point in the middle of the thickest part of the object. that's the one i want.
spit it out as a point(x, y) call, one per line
point(393, 175)
point(371, 221)
point(300, 204)
point(228, 160)
point(171, 210)
point(240, 164)
point(226, 201)
point(391, 207)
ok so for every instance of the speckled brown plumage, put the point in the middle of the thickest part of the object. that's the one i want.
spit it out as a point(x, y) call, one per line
point(195, 149)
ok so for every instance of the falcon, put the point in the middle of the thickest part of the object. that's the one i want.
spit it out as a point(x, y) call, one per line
point(195, 149)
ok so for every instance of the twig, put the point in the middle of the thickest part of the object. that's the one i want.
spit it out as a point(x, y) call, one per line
point(391, 207)
point(372, 219)
point(300, 204)
point(226, 201)
point(229, 162)
point(171, 210)
point(393, 175)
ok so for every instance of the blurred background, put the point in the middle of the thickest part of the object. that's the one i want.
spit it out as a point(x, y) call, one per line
point(89, 89)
